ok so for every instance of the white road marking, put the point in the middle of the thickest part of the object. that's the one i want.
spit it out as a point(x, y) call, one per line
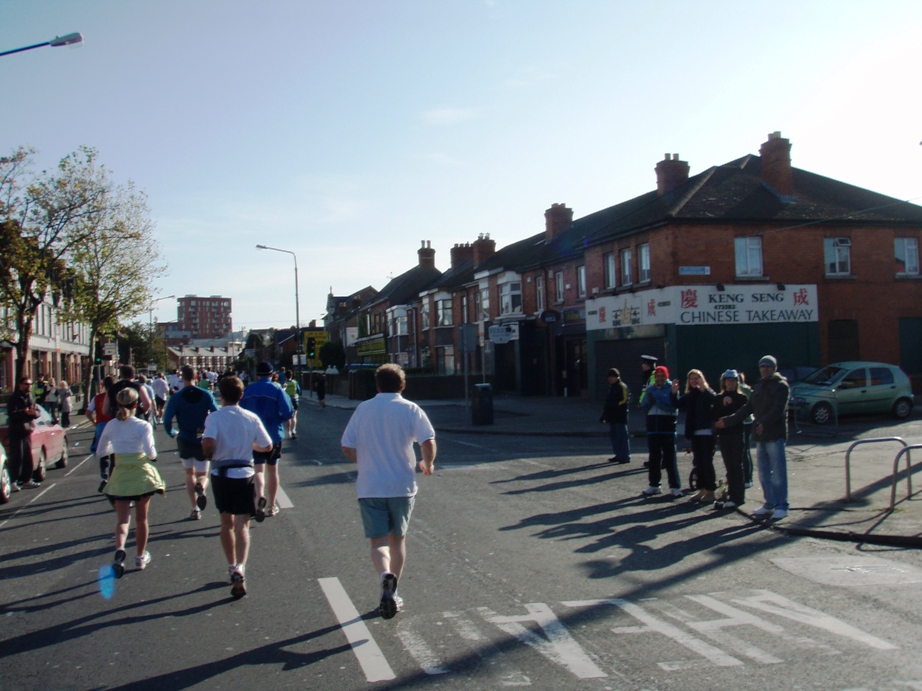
point(78, 465)
point(467, 443)
point(27, 503)
point(282, 499)
point(422, 653)
point(559, 646)
point(363, 645)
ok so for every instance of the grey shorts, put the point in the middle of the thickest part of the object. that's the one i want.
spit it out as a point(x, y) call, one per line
point(384, 515)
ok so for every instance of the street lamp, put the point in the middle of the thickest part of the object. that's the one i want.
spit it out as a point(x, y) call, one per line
point(150, 314)
point(297, 307)
point(69, 40)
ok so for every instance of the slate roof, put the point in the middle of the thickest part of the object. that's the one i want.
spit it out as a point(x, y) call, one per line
point(456, 276)
point(408, 285)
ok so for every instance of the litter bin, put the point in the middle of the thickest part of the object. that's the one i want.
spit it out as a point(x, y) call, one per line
point(482, 405)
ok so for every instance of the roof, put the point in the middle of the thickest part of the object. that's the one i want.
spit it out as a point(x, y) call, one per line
point(408, 285)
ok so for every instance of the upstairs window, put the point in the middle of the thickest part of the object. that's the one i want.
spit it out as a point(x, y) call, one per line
point(643, 259)
point(748, 256)
point(443, 313)
point(539, 293)
point(510, 297)
point(626, 274)
point(837, 256)
point(907, 256)
point(581, 281)
point(558, 285)
point(424, 315)
point(610, 270)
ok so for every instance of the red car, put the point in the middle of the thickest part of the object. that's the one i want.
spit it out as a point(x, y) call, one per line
point(49, 445)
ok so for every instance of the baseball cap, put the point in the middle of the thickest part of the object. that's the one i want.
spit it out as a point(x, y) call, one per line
point(264, 368)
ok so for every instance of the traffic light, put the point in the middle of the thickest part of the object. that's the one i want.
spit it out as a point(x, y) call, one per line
point(311, 348)
point(98, 353)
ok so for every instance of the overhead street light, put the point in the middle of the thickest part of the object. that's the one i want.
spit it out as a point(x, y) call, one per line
point(297, 307)
point(69, 40)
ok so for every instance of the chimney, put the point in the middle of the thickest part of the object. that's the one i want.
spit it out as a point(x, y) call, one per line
point(426, 254)
point(461, 253)
point(670, 173)
point(483, 247)
point(556, 220)
point(776, 164)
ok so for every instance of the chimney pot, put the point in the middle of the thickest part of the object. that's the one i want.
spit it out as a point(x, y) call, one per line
point(670, 173)
point(556, 220)
point(776, 164)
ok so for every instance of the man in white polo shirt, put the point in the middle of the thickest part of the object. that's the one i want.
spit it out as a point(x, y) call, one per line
point(379, 438)
point(231, 436)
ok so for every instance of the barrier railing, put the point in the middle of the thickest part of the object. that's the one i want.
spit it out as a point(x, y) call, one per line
point(896, 461)
point(804, 422)
point(848, 455)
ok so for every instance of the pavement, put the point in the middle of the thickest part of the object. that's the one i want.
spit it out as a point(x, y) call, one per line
point(821, 505)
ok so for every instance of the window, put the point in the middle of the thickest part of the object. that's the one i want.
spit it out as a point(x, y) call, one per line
point(424, 315)
point(478, 311)
point(558, 284)
point(643, 257)
point(837, 255)
point(464, 317)
point(626, 279)
point(400, 325)
point(610, 270)
point(581, 281)
point(748, 256)
point(907, 256)
point(485, 303)
point(881, 376)
point(443, 313)
point(539, 293)
point(510, 297)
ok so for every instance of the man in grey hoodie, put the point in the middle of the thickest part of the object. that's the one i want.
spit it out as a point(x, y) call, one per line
point(769, 406)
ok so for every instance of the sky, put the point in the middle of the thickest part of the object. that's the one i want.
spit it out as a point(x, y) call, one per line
point(348, 131)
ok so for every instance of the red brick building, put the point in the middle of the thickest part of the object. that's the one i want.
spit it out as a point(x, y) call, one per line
point(204, 317)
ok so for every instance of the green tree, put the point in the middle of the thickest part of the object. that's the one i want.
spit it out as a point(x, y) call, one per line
point(333, 354)
point(42, 218)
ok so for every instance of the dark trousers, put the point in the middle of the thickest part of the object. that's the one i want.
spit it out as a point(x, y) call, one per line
point(662, 455)
point(733, 451)
point(65, 419)
point(747, 452)
point(703, 460)
point(20, 458)
point(620, 440)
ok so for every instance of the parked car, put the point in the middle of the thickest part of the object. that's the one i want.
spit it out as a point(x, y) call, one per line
point(796, 373)
point(49, 445)
point(853, 388)
point(5, 479)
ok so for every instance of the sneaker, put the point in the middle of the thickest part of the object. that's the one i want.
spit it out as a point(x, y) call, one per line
point(201, 500)
point(142, 560)
point(677, 491)
point(196, 515)
point(272, 511)
point(388, 606)
point(31, 484)
point(613, 459)
point(747, 485)
point(238, 587)
point(102, 485)
point(260, 510)
point(118, 564)
point(779, 514)
point(14, 487)
point(399, 602)
point(764, 511)
point(729, 504)
point(294, 436)
point(651, 491)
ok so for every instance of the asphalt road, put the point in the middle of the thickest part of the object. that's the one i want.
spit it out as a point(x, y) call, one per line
point(532, 562)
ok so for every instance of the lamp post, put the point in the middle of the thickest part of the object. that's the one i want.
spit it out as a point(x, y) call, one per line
point(298, 344)
point(69, 40)
point(151, 323)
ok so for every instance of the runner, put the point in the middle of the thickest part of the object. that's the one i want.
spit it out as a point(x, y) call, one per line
point(293, 389)
point(191, 405)
point(231, 436)
point(270, 402)
point(133, 478)
point(160, 387)
point(94, 411)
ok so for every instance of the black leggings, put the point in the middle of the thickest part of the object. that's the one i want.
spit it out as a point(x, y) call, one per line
point(703, 460)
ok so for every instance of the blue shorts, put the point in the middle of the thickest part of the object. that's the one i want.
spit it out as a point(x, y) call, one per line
point(382, 516)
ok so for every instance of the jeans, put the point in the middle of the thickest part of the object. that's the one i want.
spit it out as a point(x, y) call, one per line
point(773, 473)
point(662, 455)
point(620, 440)
point(747, 452)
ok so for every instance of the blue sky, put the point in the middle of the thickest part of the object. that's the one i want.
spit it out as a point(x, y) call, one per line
point(348, 131)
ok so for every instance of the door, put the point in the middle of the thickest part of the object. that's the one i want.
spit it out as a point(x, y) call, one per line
point(852, 392)
point(881, 390)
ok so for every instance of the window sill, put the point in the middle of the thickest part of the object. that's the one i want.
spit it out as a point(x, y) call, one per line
point(753, 279)
point(908, 277)
point(840, 277)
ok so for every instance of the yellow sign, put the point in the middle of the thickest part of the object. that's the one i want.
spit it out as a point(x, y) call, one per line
point(320, 337)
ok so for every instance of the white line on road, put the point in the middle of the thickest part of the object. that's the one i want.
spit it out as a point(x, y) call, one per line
point(26, 504)
point(78, 465)
point(282, 499)
point(363, 645)
point(467, 443)
point(422, 653)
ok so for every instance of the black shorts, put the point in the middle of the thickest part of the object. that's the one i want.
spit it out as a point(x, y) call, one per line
point(159, 401)
point(190, 449)
point(235, 496)
point(268, 457)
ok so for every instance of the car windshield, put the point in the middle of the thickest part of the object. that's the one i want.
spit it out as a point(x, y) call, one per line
point(825, 376)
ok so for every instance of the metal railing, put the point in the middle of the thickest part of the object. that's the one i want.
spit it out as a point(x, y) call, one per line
point(896, 461)
point(848, 465)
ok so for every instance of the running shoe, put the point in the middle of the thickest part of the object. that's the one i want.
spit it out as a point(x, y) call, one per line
point(261, 510)
point(196, 515)
point(142, 560)
point(238, 589)
point(651, 491)
point(14, 487)
point(763, 512)
point(118, 564)
point(102, 485)
point(272, 511)
point(388, 607)
point(676, 491)
point(201, 500)
point(31, 484)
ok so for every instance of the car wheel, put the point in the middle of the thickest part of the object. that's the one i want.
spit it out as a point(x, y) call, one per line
point(5, 483)
point(821, 414)
point(902, 408)
point(62, 461)
point(38, 475)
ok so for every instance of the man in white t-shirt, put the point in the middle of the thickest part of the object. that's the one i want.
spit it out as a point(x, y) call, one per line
point(231, 436)
point(379, 438)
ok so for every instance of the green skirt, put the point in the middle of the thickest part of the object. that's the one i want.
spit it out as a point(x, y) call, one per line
point(134, 476)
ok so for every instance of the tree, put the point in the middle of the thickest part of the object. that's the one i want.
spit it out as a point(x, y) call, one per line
point(332, 354)
point(42, 218)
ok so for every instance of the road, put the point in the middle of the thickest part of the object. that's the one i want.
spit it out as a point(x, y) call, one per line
point(532, 562)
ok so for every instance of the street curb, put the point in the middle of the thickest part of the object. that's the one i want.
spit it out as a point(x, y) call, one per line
point(884, 540)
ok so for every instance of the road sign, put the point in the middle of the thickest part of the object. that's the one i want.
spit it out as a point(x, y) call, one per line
point(110, 349)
